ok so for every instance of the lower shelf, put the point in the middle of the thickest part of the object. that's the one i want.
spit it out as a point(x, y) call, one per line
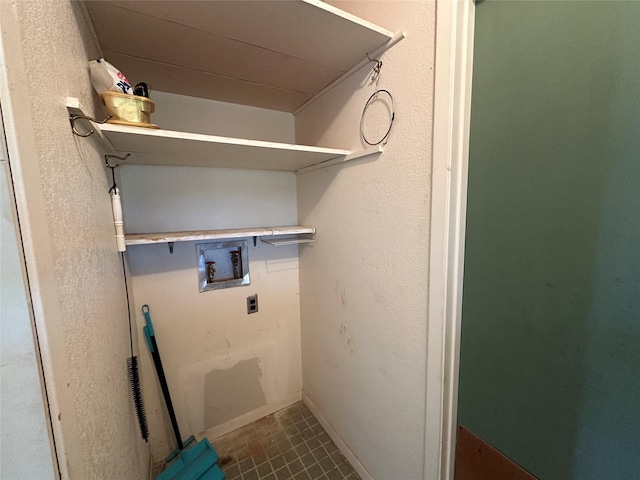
point(169, 237)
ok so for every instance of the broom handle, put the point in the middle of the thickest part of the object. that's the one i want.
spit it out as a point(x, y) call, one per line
point(165, 391)
point(150, 337)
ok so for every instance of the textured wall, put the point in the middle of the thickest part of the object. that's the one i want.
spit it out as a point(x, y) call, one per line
point(73, 265)
point(224, 367)
point(363, 287)
point(550, 331)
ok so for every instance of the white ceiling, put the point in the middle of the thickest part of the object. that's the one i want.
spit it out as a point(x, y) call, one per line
point(269, 54)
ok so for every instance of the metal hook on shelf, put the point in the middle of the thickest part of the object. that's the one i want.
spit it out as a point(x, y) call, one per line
point(73, 119)
point(376, 69)
point(107, 157)
point(114, 187)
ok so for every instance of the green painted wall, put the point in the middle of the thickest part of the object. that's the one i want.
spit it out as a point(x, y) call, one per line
point(550, 366)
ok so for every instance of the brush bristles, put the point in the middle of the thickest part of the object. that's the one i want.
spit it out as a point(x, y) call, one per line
point(136, 392)
point(189, 442)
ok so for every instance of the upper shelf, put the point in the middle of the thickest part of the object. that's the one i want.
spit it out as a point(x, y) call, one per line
point(269, 54)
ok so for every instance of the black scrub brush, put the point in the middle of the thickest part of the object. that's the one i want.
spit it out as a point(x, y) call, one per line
point(133, 369)
point(136, 393)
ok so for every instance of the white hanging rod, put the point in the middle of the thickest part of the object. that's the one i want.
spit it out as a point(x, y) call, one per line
point(287, 241)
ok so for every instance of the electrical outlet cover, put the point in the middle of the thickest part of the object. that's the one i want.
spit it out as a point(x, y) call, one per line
point(252, 303)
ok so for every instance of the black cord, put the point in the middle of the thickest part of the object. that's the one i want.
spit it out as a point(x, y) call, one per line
point(126, 290)
point(113, 176)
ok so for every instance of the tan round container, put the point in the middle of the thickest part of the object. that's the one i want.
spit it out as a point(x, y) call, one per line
point(128, 108)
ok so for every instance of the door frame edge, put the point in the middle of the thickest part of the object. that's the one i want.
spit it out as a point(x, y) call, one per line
point(451, 121)
point(26, 194)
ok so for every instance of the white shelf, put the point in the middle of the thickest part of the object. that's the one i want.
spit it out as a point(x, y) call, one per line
point(148, 238)
point(165, 147)
point(269, 54)
point(280, 55)
point(149, 146)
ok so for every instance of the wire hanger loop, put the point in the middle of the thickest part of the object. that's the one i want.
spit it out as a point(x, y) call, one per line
point(373, 96)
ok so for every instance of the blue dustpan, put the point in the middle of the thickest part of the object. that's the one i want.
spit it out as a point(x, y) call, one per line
point(196, 463)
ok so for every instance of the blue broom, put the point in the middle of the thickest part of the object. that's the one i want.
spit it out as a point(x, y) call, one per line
point(191, 460)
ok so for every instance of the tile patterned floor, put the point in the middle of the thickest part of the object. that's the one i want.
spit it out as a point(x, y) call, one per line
point(290, 444)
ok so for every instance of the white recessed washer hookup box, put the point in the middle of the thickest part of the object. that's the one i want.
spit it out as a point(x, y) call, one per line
point(223, 264)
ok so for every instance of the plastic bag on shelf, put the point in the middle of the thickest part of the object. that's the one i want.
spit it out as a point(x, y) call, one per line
point(107, 78)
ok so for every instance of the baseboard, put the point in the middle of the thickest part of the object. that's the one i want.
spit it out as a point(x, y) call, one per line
point(239, 422)
point(342, 446)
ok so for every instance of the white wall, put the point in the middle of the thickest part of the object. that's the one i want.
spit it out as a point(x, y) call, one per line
point(209, 117)
point(363, 287)
point(73, 266)
point(24, 440)
point(255, 355)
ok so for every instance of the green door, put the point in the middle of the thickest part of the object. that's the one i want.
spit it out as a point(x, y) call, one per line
point(550, 349)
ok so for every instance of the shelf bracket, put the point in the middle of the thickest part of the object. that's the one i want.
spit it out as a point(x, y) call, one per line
point(347, 158)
